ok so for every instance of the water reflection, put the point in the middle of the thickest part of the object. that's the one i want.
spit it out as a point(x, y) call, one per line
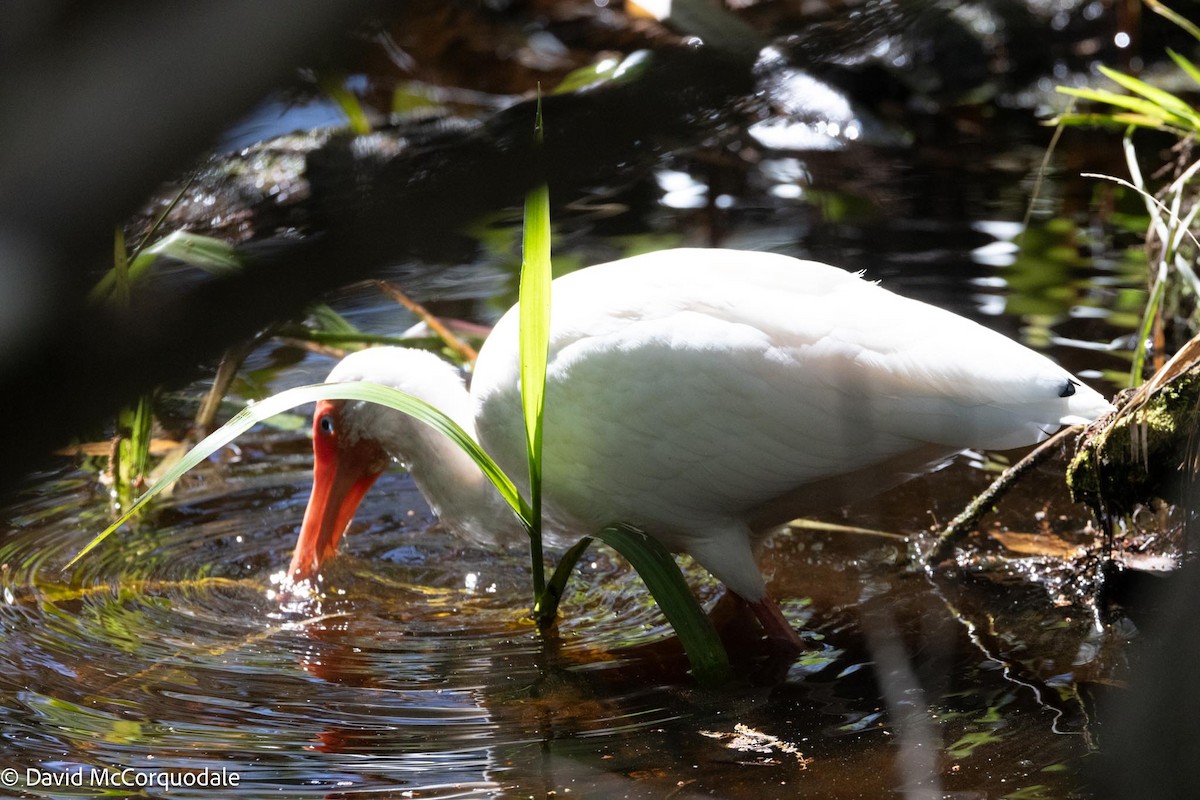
point(417, 673)
point(167, 649)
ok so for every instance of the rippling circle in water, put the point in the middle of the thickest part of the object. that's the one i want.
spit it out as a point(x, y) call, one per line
point(170, 643)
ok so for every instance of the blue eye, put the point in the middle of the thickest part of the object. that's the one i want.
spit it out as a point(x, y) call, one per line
point(326, 425)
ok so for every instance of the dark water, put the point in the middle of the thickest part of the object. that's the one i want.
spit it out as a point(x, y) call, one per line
point(167, 653)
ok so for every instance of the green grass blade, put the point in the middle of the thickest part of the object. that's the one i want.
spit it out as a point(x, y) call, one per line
point(1174, 16)
point(1137, 105)
point(534, 344)
point(326, 320)
point(120, 271)
point(656, 567)
point(1137, 374)
point(1158, 97)
point(546, 607)
point(348, 102)
point(133, 449)
point(286, 400)
point(1119, 121)
point(607, 71)
point(1184, 64)
point(203, 252)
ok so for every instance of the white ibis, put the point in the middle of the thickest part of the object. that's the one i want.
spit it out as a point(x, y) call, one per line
point(702, 396)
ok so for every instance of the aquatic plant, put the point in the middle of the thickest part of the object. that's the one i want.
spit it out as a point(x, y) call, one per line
point(1172, 210)
point(129, 456)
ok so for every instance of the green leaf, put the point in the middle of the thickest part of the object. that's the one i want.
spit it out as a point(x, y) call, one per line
point(1135, 104)
point(1187, 66)
point(327, 320)
point(546, 607)
point(1163, 99)
point(289, 399)
point(534, 310)
point(202, 252)
point(348, 102)
point(656, 567)
point(1174, 16)
point(606, 71)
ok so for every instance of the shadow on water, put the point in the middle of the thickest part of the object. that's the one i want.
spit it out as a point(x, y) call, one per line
point(416, 674)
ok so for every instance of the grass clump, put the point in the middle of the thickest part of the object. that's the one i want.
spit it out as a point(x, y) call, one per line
point(1173, 208)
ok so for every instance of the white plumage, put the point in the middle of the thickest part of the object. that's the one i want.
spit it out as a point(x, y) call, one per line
point(702, 396)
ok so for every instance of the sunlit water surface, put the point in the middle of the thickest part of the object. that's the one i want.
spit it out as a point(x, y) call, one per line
point(416, 674)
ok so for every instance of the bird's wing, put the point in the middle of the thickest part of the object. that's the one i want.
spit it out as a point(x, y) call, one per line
point(720, 380)
point(956, 382)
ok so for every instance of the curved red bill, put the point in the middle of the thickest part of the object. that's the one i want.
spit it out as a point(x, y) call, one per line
point(342, 474)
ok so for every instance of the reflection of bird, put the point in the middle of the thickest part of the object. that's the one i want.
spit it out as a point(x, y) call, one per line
point(702, 396)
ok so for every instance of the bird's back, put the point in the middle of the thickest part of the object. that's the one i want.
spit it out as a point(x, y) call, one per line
point(689, 385)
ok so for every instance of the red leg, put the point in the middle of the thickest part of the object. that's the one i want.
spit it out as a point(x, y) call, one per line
point(779, 632)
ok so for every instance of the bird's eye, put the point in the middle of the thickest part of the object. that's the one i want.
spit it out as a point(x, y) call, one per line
point(326, 424)
point(1068, 389)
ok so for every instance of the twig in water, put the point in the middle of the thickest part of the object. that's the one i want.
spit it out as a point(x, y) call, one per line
point(961, 525)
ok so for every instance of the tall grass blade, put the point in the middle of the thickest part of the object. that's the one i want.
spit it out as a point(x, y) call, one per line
point(534, 346)
point(546, 607)
point(327, 320)
point(133, 449)
point(289, 399)
point(120, 270)
point(1190, 69)
point(710, 663)
point(1137, 105)
point(1137, 371)
point(1174, 16)
point(347, 101)
point(1158, 97)
point(204, 252)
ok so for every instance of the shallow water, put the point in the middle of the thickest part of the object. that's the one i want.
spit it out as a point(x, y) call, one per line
point(167, 652)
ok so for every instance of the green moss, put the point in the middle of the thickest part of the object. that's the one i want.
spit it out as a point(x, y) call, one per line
point(1138, 455)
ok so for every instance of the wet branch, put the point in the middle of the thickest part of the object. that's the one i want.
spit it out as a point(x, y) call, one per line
point(965, 522)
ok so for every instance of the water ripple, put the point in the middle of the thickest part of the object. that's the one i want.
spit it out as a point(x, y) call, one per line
point(167, 642)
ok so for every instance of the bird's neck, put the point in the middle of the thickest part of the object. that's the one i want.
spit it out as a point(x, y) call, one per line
point(452, 483)
point(459, 493)
point(454, 486)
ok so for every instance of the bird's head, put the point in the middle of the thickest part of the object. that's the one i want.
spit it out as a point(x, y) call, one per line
point(355, 441)
point(345, 464)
